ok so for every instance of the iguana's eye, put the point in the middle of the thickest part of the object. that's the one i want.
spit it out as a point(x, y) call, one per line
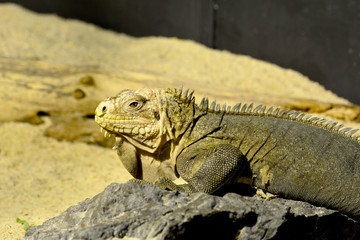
point(134, 104)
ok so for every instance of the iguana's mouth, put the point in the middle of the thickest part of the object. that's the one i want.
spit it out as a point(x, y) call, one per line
point(133, 131)
point(127, 126)
point(138, 140)
point(106, 133)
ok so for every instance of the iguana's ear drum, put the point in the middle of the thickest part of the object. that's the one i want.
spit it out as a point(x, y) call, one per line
point(157, 116)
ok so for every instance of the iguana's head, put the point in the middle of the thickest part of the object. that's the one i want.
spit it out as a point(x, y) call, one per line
point(146, 117)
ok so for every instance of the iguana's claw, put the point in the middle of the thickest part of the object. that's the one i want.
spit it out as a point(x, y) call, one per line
point(163, 183)
point(139, 181)
point(166, 183)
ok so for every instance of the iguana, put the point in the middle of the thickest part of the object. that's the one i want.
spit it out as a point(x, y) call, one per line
point(162, 134)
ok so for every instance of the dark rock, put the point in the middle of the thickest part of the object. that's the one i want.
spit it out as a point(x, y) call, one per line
point(144, 212)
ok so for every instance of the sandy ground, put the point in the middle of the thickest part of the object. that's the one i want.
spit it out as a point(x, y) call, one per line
point(41, 177)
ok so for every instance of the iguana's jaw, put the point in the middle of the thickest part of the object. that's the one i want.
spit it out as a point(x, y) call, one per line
point(133, 116)
point(112, 125)
point(137, 134)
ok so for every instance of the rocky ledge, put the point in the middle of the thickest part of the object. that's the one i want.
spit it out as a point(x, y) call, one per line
point(148, 212)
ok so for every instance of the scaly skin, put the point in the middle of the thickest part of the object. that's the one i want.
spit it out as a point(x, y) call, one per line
point(163, 135)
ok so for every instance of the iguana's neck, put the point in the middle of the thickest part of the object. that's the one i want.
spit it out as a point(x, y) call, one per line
point(178, 113)
point(203, 123)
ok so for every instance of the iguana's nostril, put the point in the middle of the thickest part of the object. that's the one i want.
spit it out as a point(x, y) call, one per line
point(101, 109)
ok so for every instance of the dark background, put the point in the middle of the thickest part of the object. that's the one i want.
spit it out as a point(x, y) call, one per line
point(320, 38)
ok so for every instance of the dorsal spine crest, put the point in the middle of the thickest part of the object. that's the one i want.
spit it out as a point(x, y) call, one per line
point(260, 110)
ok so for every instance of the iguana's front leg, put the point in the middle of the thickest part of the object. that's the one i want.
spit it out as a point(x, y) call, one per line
point(207, 168)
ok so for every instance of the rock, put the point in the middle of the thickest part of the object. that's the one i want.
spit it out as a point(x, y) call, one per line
point(148, 212)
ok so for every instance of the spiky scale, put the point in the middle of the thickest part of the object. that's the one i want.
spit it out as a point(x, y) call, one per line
point(217, 108)
point(322, 120)
point(202, 103)
point(290, 113)
point(257, 108)
point(185, 94)
point(332, 125)
point(228, 109)
point(180, 91)
point(206, 103)
point(344, 130)
point(296, 114)
point(269, 111)
point(276, 112)
point(213, 104)
point(302, 115)
point(250, 108)
point(308, 116)
point(262, 110)
point(314, 119)
point(243, 109)
point(338, 127)
point(236, 107)
point(283, 112)
point(353, 131)
point(190, 95)
point(223, 107)
point(328, 122)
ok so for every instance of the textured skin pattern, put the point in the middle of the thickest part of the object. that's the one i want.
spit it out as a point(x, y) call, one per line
point(286, 153)
point(215, 166)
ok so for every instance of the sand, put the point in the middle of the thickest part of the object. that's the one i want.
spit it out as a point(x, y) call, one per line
point(41, 177)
